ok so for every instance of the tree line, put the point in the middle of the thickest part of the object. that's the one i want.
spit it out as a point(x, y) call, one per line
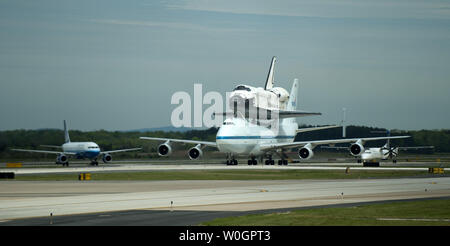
point(109, 140)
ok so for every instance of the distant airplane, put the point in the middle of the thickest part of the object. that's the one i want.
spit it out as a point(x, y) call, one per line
point(241, 135)
point(78, 150)
point(372, 156)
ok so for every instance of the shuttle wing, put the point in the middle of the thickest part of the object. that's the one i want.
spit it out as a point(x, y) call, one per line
point(119, 150)
point(206, 143)
point(267, 147)
point(281, 113)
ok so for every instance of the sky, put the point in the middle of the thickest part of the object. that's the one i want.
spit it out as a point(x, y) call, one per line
point(114, 65)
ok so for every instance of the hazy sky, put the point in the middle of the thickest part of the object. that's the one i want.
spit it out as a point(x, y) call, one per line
point(114, 65)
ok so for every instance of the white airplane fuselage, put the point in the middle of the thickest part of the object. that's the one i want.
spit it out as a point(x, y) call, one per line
point(239, 137)
point(82, 150)
point(373, 154)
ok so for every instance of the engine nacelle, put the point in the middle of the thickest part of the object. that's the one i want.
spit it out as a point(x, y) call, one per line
point(305, 153)
point(356, 149)
point(164, 149)
point(106, 158)
point(62, 159)
point(195, 153)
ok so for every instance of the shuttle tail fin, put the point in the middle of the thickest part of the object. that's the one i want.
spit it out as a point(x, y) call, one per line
point(66, 133)
point(269, 81)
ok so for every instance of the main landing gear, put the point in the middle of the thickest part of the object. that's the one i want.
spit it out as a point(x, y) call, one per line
point(94, 162)
point(282, 162)
point(231, 161)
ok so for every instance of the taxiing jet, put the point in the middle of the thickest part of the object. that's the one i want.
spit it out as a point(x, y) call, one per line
point(372, 156)
point(78, 150)
point(243, 135)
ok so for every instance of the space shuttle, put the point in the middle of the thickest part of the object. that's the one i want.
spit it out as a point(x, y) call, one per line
point(270, 99)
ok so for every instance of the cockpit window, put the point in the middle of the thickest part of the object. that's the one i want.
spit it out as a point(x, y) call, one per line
point(93, 147)
point(241, 88)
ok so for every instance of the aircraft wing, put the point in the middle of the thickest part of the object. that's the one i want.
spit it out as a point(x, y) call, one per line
point(267, 147)
point(310, 129)
point(119, 150)
point(333, 147)
point(212, 144)
point(44, 151)
point(51, 146)
point(415, 148)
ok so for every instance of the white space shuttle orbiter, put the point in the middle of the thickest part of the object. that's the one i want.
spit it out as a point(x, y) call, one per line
point(269, 97)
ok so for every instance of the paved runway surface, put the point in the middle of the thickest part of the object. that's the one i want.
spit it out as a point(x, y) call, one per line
point(157, 217)
point(200, 199)
point(160, 167)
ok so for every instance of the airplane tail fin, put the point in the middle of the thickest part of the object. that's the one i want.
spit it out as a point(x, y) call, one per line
point(292, 103)
point(66, 133)
point(269, 81)
point(343, 123)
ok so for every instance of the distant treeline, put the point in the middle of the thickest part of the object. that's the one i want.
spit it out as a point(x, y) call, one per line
point(108, 140)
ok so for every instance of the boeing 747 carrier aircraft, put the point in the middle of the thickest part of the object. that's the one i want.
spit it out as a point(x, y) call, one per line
point(78, 150)
point(240, 135)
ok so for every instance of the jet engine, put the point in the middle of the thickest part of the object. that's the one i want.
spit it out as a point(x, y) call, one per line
point(306, 152)
point(61, 159)
point(195, 153)
point(356, 149)
point(164, 149)
point(106, 158)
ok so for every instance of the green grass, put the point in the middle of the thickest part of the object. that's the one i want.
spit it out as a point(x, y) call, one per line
point(229, 175)
point(365, 215)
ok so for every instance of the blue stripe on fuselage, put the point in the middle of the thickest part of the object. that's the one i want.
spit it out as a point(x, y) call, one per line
point(87, 154)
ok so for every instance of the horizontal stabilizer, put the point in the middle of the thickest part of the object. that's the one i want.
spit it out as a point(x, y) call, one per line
point(273, 114)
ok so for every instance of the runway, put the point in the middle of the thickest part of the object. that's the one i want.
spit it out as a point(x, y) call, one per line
point(204, 166)
point(27, 199)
